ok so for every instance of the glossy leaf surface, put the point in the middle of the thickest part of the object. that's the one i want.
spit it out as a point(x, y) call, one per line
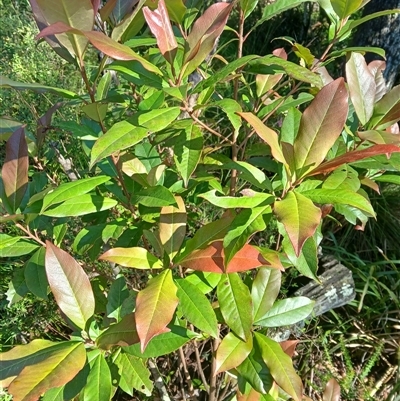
point(70, 285)
point(299, 216)
point(196, 307)
point(235, 304)
point(231, 352)
point(138, 258)
point(155, 306)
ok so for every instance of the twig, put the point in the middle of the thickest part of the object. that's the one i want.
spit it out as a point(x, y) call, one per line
point(30, 235)
point(186, 371)
point(200, 369)
point(213, 376)
point(158, 381)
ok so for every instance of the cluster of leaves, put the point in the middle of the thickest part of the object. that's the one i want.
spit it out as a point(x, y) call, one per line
point(152, 155)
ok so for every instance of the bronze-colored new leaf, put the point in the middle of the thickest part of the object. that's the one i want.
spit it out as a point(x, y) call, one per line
point(211, 259)
point(15, 169)
point(160, 25)
point(205, 32)
point(155, 307)
point(70, 285)
point(321, 124)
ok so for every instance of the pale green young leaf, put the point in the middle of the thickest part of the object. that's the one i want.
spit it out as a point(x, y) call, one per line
point(264, 291)
point(70, 285)
point(15, 246)
point(280, 366)
point(231, 202)
point(98, 386)
point(286, 312)
point(133, 374)
point(196, 307)
point(231, 352)
point(235, 304)
point(248, 6)
point(344, 8)
point(387, 110)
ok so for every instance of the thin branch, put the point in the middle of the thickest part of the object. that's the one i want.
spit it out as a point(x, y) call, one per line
point(29, 234)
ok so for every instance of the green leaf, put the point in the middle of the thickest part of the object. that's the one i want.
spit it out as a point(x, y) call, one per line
point(362, 86)
point(155, 120)
point(35, 274)
point(8, 83)
point(280, 366)
point(188, 146)
point(231, 352)
point(117, 294)
point(343, 178)
point(70, 285)
point(17, 287)
point(15, 246)
point(344, 8)
point(120, 136)
point(196, 307)
point(235, 304)
point(299, 216)
point(157, 196)
point(265, 290)
point(76, 14)
point(273, 65)
point(379, 137)
point(136, 257)
point(250, 173)
point(320, 126)
point(254, 370)
point(71, 190)
point(122, 333)
point(98, 386)
point(231, 108)
point(133, 374)
point(60, 366)
point(14, 171)
point(223, 73)
point(391, 178)
point(246, 223)
point(155, 306)
point(286, 312)
point(387, 110)
point(163, 344)
point(172, 227)
point(340, 197)
point(84, 204)
point(231, 202)
point(204, 281)
point(248, 6)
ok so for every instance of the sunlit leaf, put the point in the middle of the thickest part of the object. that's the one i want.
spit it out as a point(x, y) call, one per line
point(280, 366)
point(155, 306)
point(196, 307)
point(231, 352)
point(387, 110)
point(264, 291)
point(344, 8)
point(138, 258)
point(172, 227)
point(160, 25)
point(321, 124)
point(235, 304)
point(133, 374)
point(59, 367)
point(70, 285)
point(299, 216)
point(15, 169)
point(226, 202)
point(211, 259)
point(362, 87)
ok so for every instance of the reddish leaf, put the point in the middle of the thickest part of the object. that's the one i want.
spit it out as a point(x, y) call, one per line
point(155, 306)
point(70, 285)
point(332, 391)
point(362, 87)
point(300, 218)
point(101, 42)
point(379, 137)
point(321, 124)
point(376, 67)
point(289, 347)
point(211, 259)
point(354, 156)
point(253, 395)
point(15, 168)
point(205, 32)
point(160, 25)
point(96, 5)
